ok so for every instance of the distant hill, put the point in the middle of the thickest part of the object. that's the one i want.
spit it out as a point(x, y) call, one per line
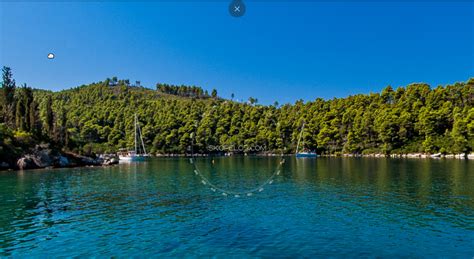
point(98, 118)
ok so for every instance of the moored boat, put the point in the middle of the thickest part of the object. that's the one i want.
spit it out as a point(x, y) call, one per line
point(134, 155)
point(304, 153)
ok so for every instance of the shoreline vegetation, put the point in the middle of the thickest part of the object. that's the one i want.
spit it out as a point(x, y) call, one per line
point(376, 155)
point(78, 123)
point(409, 155)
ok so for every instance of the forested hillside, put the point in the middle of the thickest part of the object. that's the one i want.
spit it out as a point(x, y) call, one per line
point(98, 118)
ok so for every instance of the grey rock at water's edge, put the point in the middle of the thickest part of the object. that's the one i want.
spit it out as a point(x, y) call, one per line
point(63, 161)
point(110, 160)
point(26, 162)
point(415, 155)
point(105, 160)
point(89, 160)
point(33, 161)
point(42, 156)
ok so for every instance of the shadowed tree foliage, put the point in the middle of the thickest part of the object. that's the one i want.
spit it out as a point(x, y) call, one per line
point(99, 118)
point(8, 97)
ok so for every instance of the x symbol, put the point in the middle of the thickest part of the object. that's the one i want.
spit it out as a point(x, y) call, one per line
point(237, 8)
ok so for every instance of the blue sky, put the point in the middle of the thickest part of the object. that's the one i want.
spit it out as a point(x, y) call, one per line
point(281, 51)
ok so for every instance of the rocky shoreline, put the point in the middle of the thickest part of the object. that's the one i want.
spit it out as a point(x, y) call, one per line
point(378, 155)
point(42, 156)
point(412, 155)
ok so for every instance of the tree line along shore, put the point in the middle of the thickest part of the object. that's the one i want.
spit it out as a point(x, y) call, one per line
point(98, 118)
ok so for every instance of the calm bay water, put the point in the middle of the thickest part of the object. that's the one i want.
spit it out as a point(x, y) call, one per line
point(314, 207)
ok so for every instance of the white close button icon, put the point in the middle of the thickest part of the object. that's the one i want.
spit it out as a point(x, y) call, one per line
point(237, 8)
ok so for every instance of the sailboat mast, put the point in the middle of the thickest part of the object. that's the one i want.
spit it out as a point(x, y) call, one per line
point(141, 139)
point(299, 139)
point(135, 135)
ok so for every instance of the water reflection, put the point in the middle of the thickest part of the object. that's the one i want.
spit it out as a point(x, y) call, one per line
point(440, 188)
point(160, 206)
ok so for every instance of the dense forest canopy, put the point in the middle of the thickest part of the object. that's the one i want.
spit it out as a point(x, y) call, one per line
point(98, 118)
point(185, 91)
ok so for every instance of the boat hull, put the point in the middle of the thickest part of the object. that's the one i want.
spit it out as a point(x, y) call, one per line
point(306, 155)
point(131, 158)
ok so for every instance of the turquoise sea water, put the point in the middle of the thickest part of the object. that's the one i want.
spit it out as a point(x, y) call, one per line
point(315, 207)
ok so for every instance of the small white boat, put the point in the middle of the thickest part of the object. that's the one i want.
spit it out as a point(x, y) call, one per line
point(130, 156)
point(134, 155)
point(304, 153)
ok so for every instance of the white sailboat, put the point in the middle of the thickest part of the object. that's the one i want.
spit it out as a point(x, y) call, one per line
point(304, 152)
point(134, 155)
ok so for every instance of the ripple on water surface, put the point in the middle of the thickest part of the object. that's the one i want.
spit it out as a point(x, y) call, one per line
point(321, 207)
